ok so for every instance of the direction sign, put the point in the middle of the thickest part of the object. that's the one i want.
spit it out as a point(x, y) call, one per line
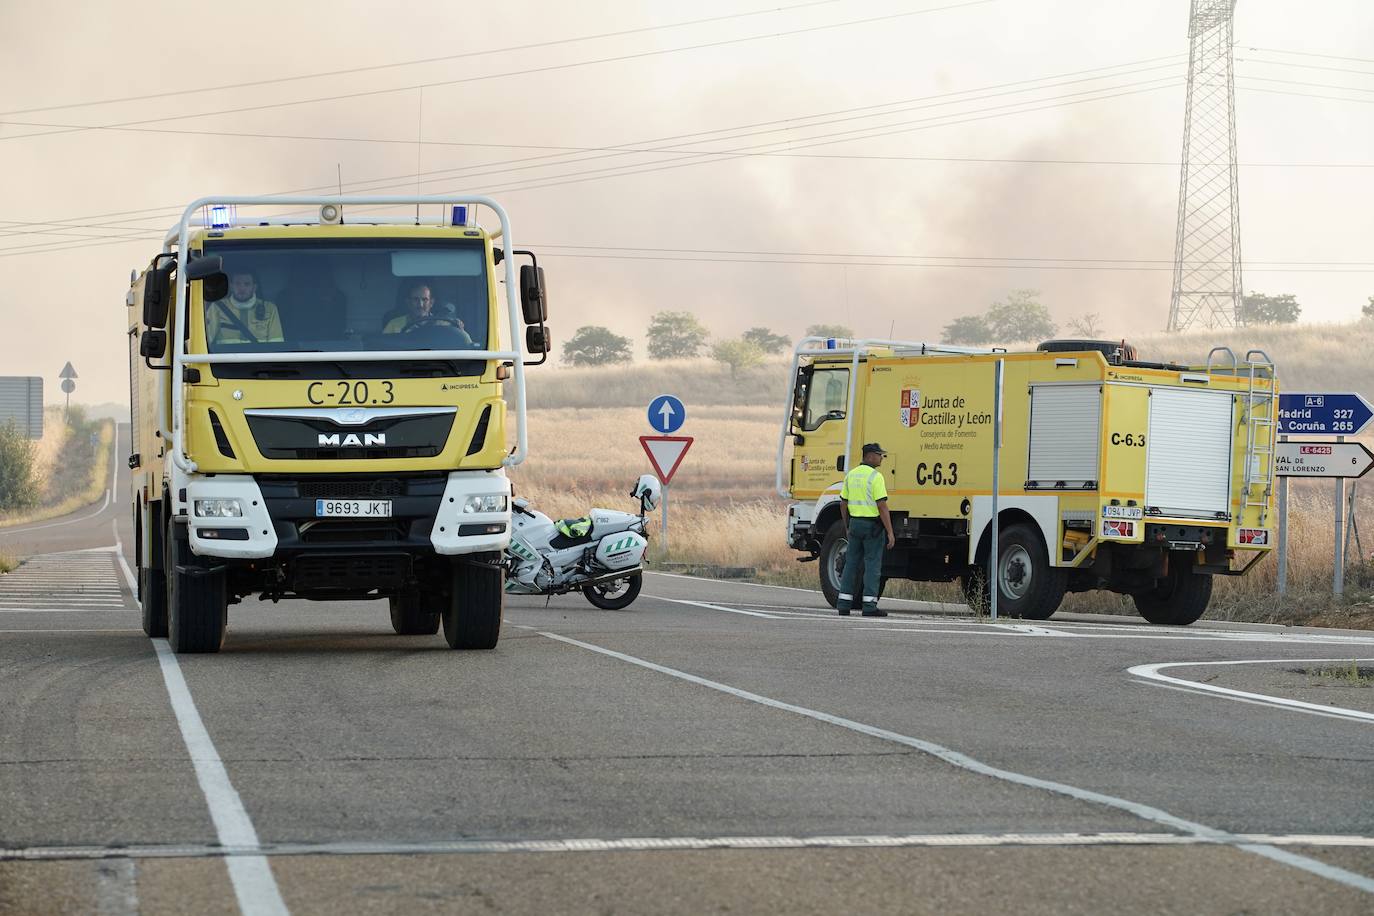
point(1322, 459)
point(665, 454)
point(666, 414)
point(1323, 413)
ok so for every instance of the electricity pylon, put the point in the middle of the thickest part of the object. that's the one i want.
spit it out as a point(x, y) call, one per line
point(1207, 268)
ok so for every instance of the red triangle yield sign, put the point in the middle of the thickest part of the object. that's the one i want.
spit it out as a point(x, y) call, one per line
point(665, 453)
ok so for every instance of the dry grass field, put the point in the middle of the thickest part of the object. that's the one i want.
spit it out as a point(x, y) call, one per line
point(585, 424)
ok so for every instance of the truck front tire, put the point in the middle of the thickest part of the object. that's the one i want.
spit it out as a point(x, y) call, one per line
point(472, 616)
point(831, 565)
point(152, 582)
point(197, 597)
point(1028, 587)
point(1178, 599)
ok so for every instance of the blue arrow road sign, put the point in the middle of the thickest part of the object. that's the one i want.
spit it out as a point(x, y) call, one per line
point(666, 414)
point(1310, 413)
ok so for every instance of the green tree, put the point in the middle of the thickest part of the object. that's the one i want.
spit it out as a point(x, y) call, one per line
point(829, 330)
point(18, 489)
point(738, 354)
point(1257, 308)
point(768, 341)
point(675, 335)
point(1368, 310)
point(593, 345)
point(969, 329)
point(1021, 316)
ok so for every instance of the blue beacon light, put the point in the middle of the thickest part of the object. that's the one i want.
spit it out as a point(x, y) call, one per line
point(460, 215)
point(219, 217)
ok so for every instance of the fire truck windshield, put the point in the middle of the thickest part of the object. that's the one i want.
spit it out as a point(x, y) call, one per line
point(349, 295)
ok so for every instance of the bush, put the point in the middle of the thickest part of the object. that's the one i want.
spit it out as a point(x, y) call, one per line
point(594, 345)
point(767, 341)
point(18, 487)
point(675, 335)
point(737, 354)
point(829, 330)
point(970, 329)
point(1257, 308)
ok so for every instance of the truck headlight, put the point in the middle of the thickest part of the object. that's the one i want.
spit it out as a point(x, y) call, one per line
point(493, 502)
point(219, 508)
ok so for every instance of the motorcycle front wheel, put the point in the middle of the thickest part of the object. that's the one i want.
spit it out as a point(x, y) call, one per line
point(612, 596)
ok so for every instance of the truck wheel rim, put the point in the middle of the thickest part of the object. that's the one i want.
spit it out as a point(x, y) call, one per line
point(837, 562)
point(1014, 571)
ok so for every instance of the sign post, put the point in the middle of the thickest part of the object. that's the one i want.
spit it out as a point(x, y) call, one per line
point(665, 455)
point(665, 451)
point(994, 579)
point(68, 375)
point(1338, 414)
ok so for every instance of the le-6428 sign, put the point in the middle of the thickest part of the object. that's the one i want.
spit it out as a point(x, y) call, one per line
point(1322, 459)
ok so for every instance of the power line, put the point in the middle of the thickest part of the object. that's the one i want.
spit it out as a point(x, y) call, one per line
point(793, 122)
point(1360, 60)
point(1284, 63)
point(1306, 95)
point(531, 70)
point(725, 155)
point(421, 61)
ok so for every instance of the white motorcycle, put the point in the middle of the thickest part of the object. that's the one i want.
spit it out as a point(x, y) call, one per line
point(599, 555)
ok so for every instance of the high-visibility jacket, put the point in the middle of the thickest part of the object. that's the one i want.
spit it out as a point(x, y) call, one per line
point(863, 487)
point(226, 323)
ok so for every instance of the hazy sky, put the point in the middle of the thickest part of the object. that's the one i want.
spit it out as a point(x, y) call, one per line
point(913, 97)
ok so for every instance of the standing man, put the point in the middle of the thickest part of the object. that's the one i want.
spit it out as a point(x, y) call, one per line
point(863, 504)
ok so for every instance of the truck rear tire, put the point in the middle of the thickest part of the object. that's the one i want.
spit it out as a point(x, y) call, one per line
point(197, 597)
point(1178, 599)
point(1028, 587)
point(411, 615)
point(831, 565)
point(472, 616)
point(152, 587)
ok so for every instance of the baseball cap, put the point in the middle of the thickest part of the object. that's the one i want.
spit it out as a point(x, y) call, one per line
point(875, 447)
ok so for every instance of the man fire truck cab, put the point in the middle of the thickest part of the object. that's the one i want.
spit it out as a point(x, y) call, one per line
point(308, 431)
point(1141, 478)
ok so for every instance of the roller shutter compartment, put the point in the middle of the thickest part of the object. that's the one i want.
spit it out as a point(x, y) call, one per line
point(1189, 454)
point(1065, 433)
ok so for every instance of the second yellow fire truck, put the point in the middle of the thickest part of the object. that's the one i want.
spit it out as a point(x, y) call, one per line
point(1142, 478)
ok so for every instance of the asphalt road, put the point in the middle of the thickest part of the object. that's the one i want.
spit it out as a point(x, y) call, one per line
point(714, 748)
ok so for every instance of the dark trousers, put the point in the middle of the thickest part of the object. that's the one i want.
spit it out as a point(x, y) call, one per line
point(865, 551)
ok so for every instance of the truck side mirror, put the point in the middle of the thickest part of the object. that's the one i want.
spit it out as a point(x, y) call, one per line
point(210, 270)
point(153, 344)
point(533, 295)
point(157, 294)
point(538, 339)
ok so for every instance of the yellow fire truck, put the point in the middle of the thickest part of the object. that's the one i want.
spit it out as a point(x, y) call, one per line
point(319, 410)
point(1141, 478)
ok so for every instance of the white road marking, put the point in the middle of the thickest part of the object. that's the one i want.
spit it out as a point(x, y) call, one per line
point(117, 888)
point(5, 609)
point(652, 844)
point(1152, 673)
point(716, 607)
point(251, 875)
point(963, 761)
point(790, 588)
point(71, 630)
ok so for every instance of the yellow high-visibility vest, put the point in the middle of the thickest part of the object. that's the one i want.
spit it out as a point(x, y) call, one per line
point(863, 487)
